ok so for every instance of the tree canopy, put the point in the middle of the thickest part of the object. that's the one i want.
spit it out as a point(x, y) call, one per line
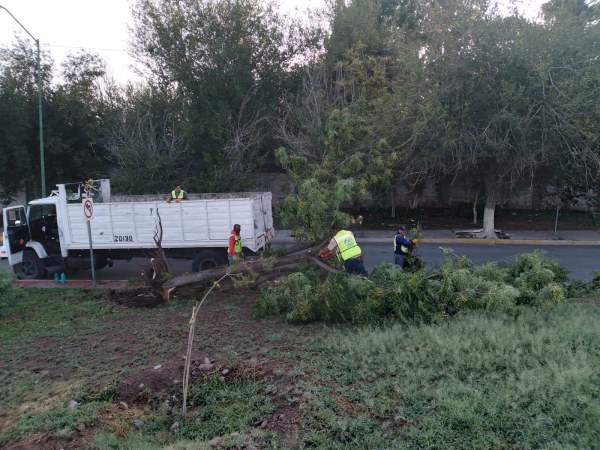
point(383, 94)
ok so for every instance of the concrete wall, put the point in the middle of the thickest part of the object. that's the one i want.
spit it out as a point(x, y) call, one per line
point(443, 196)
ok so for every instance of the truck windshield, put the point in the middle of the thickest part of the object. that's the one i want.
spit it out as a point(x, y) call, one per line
point(41, 211)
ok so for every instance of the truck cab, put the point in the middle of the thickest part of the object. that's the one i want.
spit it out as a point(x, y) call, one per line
point(31, 238)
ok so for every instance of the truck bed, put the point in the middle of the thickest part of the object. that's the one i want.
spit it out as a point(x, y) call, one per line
point(132, 222)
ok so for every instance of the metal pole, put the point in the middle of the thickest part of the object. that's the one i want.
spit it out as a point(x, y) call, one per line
point(41, 124)
point(39, 86)
point(89, 227)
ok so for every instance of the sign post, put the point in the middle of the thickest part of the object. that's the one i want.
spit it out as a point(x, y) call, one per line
point(88, 215)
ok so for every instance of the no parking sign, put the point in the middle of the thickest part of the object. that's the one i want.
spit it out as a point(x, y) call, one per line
point(88, 214)
point(88, 209)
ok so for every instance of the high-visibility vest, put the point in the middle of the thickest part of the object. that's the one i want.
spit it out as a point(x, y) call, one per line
point(174, 194)
point(346, 244)
point(237, 247)
point(402, 247)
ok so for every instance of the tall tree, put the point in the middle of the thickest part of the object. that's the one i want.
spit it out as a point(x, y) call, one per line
point(76, 111)
point(505, 116)
point(19, 145)
point(146, 142)
point(228, 63)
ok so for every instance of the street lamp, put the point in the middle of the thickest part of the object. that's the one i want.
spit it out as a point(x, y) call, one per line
point(39, 83)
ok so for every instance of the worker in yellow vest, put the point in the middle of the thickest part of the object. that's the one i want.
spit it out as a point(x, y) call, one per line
point(344, 246)
point(234, 249)
point(177, 194)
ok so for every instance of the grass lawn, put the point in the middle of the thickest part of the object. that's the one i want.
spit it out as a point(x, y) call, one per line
point(79, 371)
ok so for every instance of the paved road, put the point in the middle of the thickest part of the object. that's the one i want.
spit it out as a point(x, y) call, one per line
point(580, 260)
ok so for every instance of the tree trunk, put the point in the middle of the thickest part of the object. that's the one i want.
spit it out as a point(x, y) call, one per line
point(556, 220)
point(489, 229)
point(260, 266)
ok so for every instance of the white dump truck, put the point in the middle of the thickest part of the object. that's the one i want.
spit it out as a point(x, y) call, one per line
point(51, 234)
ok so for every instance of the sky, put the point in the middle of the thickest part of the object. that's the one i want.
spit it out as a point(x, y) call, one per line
point(66, 26)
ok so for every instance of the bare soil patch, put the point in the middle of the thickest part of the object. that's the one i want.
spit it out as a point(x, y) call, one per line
point(229, 341)
point(139, 297)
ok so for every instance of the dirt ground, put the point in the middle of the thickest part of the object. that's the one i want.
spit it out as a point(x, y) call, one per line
point(228, 341)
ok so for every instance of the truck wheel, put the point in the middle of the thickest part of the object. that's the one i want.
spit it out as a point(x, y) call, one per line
point(207, 259)
point(31, 267)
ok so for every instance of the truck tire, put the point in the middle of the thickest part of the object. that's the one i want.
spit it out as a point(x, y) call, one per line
point(207, 259)
point(31, 267)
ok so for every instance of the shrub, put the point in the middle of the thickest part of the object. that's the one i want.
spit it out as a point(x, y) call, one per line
point(551, 294)
point(338, 296)
point(536, 261)
point(490, 271)
point(281, 298)
point(391, 294)
point(500, 298)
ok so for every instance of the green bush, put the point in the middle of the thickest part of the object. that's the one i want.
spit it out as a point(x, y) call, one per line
point(551, 294)
point(391, 294)
point(281, 298)
point(535, 262)
point(500, 298)
point(490, 271)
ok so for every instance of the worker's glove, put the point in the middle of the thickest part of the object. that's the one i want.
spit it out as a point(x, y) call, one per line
point(326, 254)
point(178, 200)
point(415, 241)
point(168, 199)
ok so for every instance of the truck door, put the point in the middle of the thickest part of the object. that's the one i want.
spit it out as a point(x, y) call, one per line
point(16, 233)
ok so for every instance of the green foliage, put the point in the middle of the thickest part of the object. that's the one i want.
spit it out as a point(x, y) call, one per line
point(226, 66)
point(400, 296)
point(314, 211)
point(520, 380)
point(391, 294)
point(276, 299)
point(536, 276)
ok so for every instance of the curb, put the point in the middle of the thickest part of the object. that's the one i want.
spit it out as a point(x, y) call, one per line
point(73, 284)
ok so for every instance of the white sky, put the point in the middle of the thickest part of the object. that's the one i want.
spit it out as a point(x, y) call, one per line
point(100, 26)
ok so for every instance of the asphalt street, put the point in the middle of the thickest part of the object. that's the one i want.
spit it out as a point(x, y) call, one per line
point(581, 261)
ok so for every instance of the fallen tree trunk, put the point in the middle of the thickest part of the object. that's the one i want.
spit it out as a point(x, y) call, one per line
point(264, 267)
